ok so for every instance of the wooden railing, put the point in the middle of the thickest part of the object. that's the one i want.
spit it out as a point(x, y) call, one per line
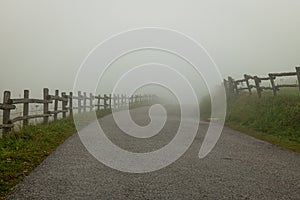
point(234, 86)
point(84, 103)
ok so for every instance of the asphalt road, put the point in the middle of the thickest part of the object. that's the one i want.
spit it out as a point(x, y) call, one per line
point(239, 167)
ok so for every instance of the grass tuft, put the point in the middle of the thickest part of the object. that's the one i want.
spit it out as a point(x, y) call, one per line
point(274, 119)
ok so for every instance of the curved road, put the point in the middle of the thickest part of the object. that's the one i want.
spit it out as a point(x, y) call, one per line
point(239, 167)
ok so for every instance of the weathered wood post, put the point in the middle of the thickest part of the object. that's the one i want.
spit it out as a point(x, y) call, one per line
point(298, 75)
point(109, 101)
point(105, 101)
point(125, 100)
point(79, 101)
point(274, 88)
point(71, 103)
point(56, 104)
point(121, 101)
point(225, 82)
point(98, 102)
point(84, 101)
point(257, 85)
point(118, 100)
point(115, 101)
point(131, 100)
point(6, 112)
point(231, 84)
point(247, 83)
point(46, 105)
point(64, 104)
point(26, 107)
point(91, 102)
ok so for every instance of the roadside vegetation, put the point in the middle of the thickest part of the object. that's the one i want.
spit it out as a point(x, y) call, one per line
point(273, 119)
point(21, 151)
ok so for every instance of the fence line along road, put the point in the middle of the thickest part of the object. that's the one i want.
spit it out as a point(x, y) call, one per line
point(84, 103)
point(232, 86)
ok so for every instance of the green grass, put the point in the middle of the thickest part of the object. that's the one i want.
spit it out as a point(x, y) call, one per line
point(22, 151)
point(274, 119)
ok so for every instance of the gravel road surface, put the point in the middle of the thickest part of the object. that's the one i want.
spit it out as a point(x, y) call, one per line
point(239, 167)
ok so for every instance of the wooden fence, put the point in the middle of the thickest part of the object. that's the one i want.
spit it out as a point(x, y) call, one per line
point(236, 86)
point(84, 103)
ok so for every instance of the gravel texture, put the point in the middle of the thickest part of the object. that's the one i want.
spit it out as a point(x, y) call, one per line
point(239, 167)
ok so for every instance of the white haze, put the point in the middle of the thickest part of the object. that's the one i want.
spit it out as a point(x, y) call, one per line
point(43, 43)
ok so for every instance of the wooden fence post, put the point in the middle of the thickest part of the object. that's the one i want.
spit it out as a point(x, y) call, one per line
point(109, 101)
point(46, 105)
point(71, 103)
point(225, 82)
point(26, 108)
point(274, 88)
point(118, 100)
point(231, 84)
point(64, 104)
point(298, 75)
point(115, 101)
point(258, 89)
point(56, 104)
point(130, 100)
point(247, 83)
point(98, 102)
point(121, 103)
point(79, 102)
point(91, 102)
point(6, 112)
point(105, 101)
point(125, 100)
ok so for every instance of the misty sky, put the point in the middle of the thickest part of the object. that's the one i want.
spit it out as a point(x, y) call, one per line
point(43, 43)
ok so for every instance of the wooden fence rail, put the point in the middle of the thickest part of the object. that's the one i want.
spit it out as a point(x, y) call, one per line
point(84, 103)
point(235, 86)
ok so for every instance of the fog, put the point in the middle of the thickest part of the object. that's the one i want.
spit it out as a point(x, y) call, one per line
point(43, 43)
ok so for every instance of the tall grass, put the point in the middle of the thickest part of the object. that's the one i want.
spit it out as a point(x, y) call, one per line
point(275, 119)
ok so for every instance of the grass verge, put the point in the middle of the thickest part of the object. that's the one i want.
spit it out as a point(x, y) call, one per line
point(273, 119)
point(22, 151)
